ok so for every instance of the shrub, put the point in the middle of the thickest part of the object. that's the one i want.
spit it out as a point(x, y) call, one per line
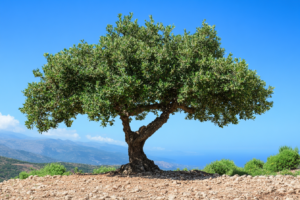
point(238, 170)
point(286, 159)
point(76, 170)
point(23, 175)
point(223, 167)
point(178, 169)
point(286, 172)
point(288, 148)
point(185, 169)
point(253, 165)
point(54, 169)
point(103, 170)
point(260, 172)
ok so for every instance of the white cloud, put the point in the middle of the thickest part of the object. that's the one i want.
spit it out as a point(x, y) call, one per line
point(107, 140)
point(9, 123)
point(62, 134)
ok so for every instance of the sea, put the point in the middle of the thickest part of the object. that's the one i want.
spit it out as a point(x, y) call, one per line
point(200, 161)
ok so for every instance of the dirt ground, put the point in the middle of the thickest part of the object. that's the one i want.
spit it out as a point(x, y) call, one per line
point(160, 185)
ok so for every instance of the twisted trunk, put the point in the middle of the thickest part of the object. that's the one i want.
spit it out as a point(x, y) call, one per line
point(138, 161)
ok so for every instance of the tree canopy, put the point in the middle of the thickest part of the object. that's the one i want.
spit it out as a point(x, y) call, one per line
point(136, 70)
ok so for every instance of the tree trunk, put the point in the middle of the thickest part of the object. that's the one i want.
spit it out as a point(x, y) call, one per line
point(138, 161)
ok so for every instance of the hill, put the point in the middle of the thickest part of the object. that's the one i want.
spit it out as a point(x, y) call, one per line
point(10, 168)
point(51, 150)
point(24, 155)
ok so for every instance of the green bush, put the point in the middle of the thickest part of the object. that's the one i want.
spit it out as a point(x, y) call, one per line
point(288, 148)
point(286, 159)
point(260, 172)
point(253, 165)
point(23, 175)
point(103, 170)
point(76, 170)
point(50, 169)
point(238, 170)
point(54, 169)
point(224, 167)
point(178, 169)
point(286, 172)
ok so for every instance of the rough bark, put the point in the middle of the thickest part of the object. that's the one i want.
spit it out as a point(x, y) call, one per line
point(138, 161)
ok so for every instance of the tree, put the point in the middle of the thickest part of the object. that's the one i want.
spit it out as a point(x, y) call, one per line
point(134, 71)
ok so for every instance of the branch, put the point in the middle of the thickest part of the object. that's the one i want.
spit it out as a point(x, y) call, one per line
point(141, 109)
point(124, 116)
point(146, 131)
point(126, 125)
point(187, 109)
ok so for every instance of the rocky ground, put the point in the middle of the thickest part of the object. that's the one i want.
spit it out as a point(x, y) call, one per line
point(159, 185)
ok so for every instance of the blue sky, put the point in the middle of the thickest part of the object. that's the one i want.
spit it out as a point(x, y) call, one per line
point(264, 33)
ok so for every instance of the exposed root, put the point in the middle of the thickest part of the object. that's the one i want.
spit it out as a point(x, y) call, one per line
point(138, 166)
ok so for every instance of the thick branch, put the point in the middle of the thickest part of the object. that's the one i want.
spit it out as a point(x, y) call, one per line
point(125, 122)
point(146, 131)
point(126, 128)
point(124, 116)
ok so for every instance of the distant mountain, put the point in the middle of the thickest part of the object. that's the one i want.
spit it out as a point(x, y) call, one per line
point(24, 155)
point(38, 150)
point(108, 147)
point(12, 135)
point(66, 151)
point(118, 149)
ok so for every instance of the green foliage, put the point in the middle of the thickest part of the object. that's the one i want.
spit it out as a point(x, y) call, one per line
point(54, 168)
point(253, 165)
point(51, 169)
point(223, 166)
point(260, 172)
point(286, 172)
point(11, 168)
point(289, 148)
point(8, 168)
point(76, 170)
point(103, 170)
point(286, 159)
point(23, 175)
point(58, 169)
point(133, 67)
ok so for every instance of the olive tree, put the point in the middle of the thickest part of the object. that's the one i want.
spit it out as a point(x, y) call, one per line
point(133, 71)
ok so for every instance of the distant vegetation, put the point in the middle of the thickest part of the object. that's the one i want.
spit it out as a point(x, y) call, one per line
point(283, 162)
point(11, 167)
